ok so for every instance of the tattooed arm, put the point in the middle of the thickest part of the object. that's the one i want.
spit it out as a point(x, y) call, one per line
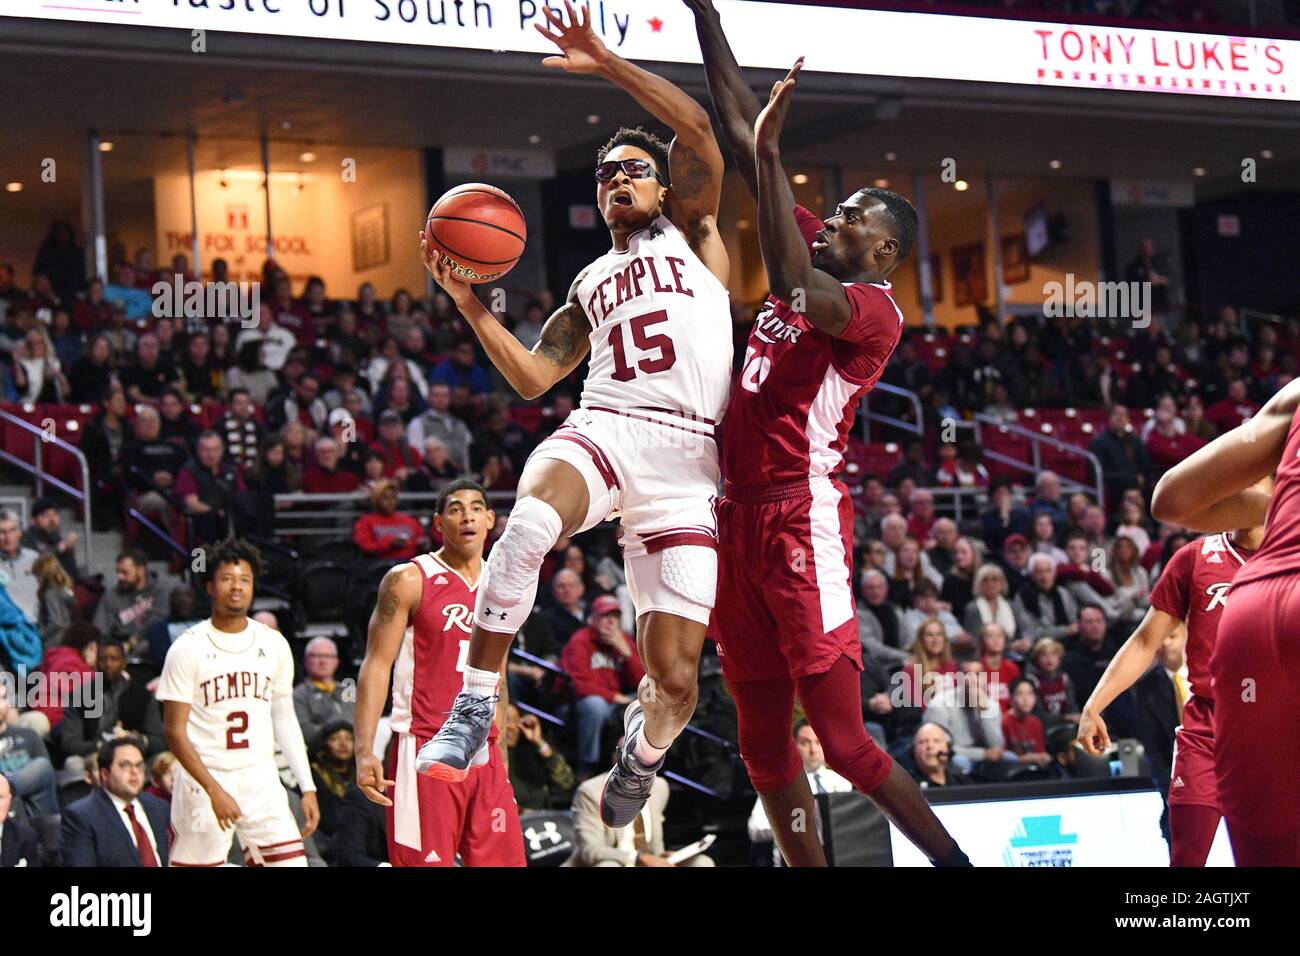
point(399, 596)
point(563, 344)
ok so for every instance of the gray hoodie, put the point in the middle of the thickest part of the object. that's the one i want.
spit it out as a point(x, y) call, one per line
point(17, 578)
point(122, 613)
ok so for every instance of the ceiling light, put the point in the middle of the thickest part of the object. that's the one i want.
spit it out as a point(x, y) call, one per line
point(535, 138)
point(882, 184)
point(1055, 164)
point(890, 157)
point(105, 146)
point(286, 125)
point(1198, 171)
point(1266, 153)
point(307, 157)
point(13, 187)
point(961, 185)
point(799, 179)
point(593, 119)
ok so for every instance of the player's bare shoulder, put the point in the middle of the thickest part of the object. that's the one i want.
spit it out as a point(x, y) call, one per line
point(399, 591)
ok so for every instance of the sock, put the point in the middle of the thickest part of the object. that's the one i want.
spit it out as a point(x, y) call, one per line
point(645, 754)
point(954, 857)
point(480, 682)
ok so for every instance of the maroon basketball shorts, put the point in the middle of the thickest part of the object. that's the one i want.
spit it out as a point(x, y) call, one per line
point(1256, 668)
point(785, 598)
point(1192, 780)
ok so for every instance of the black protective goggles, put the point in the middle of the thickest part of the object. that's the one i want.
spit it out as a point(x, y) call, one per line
point(634, 168)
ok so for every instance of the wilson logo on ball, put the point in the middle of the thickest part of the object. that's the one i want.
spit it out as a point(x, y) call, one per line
point(479, 230)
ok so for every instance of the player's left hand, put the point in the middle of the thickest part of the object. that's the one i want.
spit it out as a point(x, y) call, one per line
point(768, 126)
point(310, 813)
point(584, 52)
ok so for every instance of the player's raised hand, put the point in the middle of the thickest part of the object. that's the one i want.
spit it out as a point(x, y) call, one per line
point(584, 52)
point(225, 809)
point(442, 273)
point(310, 814)
point(370, 779)
point(1093, 736)
point(771, 120)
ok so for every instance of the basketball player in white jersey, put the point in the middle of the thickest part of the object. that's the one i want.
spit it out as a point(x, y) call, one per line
point(227, 696)
point(654, 314)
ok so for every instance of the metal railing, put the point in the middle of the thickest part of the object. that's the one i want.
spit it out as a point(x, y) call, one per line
point(41, 477)
point(868, 416)
point(299, 514)
point(1036, 442)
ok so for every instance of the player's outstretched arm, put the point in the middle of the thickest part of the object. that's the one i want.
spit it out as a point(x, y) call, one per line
point(1211, 489)
point(695, 165)
point(399, 595)
point(564, 342)
point(735, 103)
point(790, 273)
point(1129, 663)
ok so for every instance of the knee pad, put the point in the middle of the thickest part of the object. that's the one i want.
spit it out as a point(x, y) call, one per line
point(510, 580)
point(681, 580)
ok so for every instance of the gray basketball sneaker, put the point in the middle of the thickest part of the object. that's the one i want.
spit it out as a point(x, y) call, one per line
point(461, 742)
point(627, 787)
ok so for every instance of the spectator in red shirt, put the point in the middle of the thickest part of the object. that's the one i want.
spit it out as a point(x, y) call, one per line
point(1168, 444)
point(1003, 672)
point(400, 459)
point(605, 668)
point(65, 669)
point(1021, 729)
point(387, 533)
point(1227, 413)
point(327, 476)
point(920, 522)
point(966, 469)
point(292, 315)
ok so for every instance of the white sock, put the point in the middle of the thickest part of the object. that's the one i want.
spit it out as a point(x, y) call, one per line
point(647, 755)
point(480, 682)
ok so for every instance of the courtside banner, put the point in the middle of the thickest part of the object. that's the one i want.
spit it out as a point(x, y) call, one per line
point(863, 42)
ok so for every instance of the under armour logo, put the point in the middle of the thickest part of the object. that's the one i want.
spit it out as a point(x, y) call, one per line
point(488, 612)
point(655, 231)
point(261, 652)
point(549, 832)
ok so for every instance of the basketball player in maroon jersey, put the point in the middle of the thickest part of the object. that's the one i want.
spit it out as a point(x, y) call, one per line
point(785, 620)
point(1191, 594)
point(1255, 669)
point(420, 631)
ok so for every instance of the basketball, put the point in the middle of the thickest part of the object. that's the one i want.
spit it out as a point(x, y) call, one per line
point(480, 229)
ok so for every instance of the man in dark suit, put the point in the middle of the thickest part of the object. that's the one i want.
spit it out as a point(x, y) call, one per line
point(1160, 712)
point(18, 845)
point(117, 825)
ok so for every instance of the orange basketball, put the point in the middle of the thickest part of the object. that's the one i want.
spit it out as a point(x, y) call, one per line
point(479, 229)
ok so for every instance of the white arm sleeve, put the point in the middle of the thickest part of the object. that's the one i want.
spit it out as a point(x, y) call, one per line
point(289, 736)
point(284, 719)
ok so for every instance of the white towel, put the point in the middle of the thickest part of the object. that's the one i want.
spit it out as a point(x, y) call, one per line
point(406, 797)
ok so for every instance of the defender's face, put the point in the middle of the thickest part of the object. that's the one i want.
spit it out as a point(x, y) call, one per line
point(627, 203)
point(465, 522)
point(843, 247)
